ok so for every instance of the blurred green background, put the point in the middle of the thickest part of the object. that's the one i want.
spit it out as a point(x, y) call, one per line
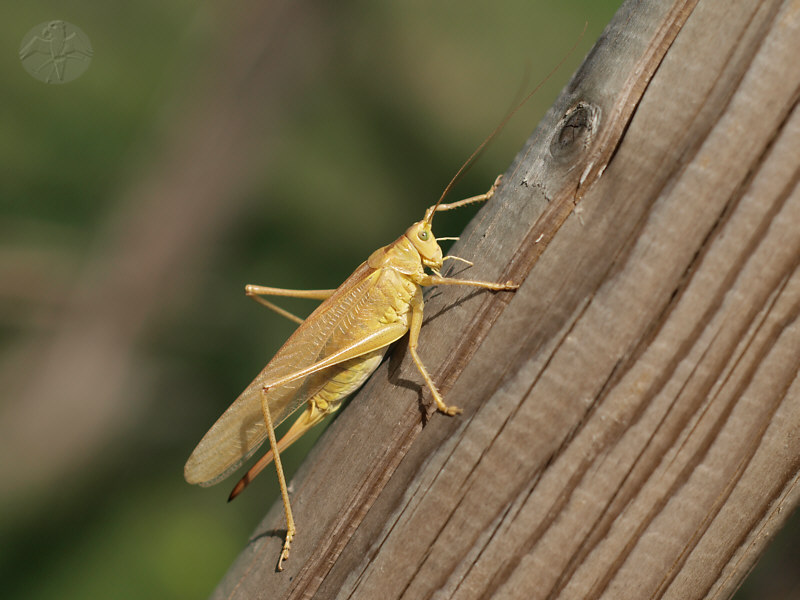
point(209, 146)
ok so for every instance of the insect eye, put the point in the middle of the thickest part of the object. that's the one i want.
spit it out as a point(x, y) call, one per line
point(423, 235)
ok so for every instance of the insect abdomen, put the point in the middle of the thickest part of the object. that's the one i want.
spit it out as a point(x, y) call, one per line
point(346, 378)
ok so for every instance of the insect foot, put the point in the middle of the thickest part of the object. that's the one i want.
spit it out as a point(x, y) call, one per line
point(442, 407)
point(285, 552)
point(508, 286)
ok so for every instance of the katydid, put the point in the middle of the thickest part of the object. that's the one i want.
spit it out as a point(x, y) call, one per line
point(330, 355)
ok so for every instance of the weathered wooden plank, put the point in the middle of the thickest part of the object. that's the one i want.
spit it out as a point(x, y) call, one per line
point(631, 414)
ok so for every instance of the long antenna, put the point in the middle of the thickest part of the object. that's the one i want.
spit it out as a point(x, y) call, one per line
point(471, 160)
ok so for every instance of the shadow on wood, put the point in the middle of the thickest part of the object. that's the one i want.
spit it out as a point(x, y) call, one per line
point(630, 415)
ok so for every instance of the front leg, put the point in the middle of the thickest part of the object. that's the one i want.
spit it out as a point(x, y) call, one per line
point(416, 324)
point(437, 280)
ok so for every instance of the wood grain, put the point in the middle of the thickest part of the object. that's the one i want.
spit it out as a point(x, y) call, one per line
point(630, 425)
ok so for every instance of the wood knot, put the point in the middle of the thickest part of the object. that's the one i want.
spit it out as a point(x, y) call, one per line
point(574, 131)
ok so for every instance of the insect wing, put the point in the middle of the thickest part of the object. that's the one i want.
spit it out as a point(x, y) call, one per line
point(240, 430)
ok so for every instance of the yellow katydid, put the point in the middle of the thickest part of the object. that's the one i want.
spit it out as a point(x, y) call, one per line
point(337, 347)
point(330, 355)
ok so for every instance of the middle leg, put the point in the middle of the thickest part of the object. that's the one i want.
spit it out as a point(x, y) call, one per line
point(413, 339)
